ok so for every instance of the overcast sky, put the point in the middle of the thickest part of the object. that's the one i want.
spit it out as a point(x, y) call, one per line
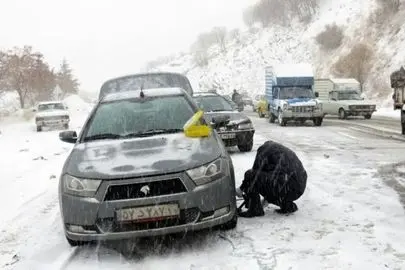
point(106, 38)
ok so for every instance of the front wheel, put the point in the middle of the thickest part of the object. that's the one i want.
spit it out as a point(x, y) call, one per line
point(230, 225)
point(318, 121)
point(246, 147)
point(39, 128)
point(367, 116)
point(342, 114)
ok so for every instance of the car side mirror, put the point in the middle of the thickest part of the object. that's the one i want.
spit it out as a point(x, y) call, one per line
point(34, 110)
point(362, 98)
point(220, 120)
point(69, 136)
point(316, 94)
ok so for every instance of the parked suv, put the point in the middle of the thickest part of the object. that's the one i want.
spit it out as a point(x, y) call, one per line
point(134, 173)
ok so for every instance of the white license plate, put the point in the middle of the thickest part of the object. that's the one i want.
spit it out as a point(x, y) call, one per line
point(148, 213)
point(228, 136)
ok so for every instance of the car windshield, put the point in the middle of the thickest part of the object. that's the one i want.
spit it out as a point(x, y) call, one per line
point(146, 81)
point(50, 106)
point(213, 103)
point(349, 95)
point(135, 117)
point(295, 92)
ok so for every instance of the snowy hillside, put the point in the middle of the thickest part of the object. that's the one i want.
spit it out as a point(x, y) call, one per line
point(242, 66)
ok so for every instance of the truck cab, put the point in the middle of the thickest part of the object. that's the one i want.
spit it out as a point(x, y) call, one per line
point(290, 95)
point(397, 79)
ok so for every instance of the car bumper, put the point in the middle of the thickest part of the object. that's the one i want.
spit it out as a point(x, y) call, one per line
point(232, 138)
point(97, 217)
point(302, 115)
point(56, 122)
point(360, 112)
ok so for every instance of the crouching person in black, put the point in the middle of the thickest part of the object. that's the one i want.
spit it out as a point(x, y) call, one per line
point(278, 175)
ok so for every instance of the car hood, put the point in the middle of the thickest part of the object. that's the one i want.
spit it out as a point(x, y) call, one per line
point(302, 102)
point(52, 113)
point(235, 117)
point(159, 154)
point(357, 102)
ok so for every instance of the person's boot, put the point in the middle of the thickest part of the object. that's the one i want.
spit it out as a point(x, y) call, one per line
point(255, 208)
point(287, 208)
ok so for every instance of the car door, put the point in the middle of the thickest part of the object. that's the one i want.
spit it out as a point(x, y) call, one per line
point(334, 103)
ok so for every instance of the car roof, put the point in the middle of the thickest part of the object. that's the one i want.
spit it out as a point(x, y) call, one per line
point(153, 92)
point(49, 102)
point(144, 74)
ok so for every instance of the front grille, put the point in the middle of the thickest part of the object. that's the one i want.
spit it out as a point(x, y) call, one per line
point(361, 107)
point(302, 109)
point(133, 191)
point(110, 225)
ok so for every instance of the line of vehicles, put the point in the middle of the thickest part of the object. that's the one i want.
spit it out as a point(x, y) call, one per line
point(293, 94)
point(151, 158)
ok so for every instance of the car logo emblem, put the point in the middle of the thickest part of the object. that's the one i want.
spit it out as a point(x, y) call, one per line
point(145, 190)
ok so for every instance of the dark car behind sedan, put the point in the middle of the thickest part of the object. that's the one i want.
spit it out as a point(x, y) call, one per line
point(234, 128)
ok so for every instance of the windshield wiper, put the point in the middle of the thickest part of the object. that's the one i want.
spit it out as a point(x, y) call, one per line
point(102, 136)
point(151, 132)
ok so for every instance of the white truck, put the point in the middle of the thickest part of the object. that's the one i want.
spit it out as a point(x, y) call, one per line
point(342, 97)
point(290, 94)
point(51, 114)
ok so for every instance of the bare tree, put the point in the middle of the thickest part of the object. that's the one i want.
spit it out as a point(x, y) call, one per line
point(220, 35)
point(356, 64)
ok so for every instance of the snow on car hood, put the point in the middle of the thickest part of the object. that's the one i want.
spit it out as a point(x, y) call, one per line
point(52, 113)
point(113, 159)
point(235, 117)
point(302, 102)
point(357, 102)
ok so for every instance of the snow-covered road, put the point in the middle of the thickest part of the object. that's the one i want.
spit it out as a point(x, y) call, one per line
point(350, 217)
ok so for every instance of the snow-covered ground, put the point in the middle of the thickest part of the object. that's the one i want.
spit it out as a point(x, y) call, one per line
point(350, 216)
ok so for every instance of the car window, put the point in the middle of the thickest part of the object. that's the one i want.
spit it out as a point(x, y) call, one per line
point(51, 106)
point(213, 103)
point(138, 115)
point(146, 81)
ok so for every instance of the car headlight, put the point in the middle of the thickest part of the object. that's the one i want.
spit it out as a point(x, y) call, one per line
point(285, 106)
point(80, 187)
point(372, 107)
point(245, 126)
point(207, 173)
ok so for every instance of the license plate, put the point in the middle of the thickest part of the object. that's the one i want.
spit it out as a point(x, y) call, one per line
point(148, 213)
point(228, 136)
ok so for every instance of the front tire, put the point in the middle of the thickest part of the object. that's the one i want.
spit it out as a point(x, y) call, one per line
point(342, 114)
point(368, 116)
point(39, 128)
point(246, 147)
point(318, 121)
point(230, 225)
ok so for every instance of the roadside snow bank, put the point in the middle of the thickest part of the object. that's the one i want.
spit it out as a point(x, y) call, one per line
point(9, 103)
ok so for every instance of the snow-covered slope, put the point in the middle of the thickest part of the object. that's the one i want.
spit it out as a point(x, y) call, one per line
point(242, 66)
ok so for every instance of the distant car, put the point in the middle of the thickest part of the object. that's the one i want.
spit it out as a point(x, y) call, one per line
point(236, 107)
point(235, 128)
point(247, 100)
point(146, 81)
point(133, 172)
point(51, 114)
